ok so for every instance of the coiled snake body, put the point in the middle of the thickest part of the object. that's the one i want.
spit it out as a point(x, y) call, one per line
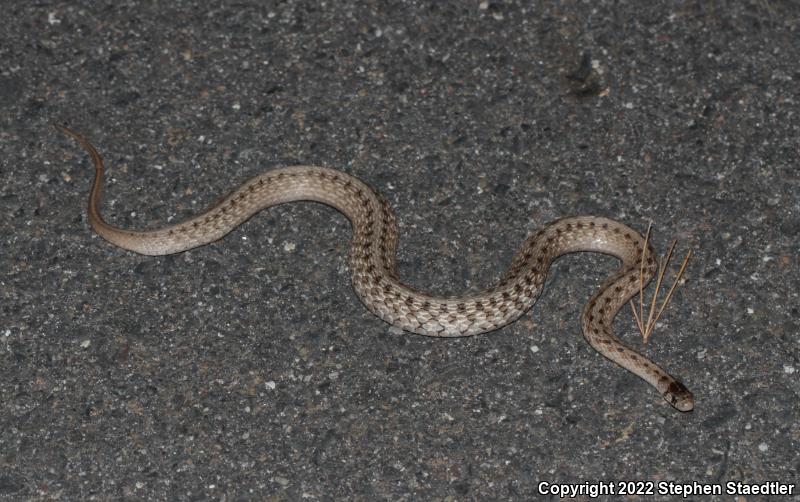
point(372, 261)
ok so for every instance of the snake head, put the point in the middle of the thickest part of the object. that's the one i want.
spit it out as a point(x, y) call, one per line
point(679, 396)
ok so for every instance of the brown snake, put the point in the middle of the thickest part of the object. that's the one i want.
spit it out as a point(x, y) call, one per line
point(372, 261)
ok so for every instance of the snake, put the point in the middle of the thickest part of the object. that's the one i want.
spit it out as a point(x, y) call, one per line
point(374, 273)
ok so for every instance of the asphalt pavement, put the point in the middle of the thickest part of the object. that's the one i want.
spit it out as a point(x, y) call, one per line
point(248, 369)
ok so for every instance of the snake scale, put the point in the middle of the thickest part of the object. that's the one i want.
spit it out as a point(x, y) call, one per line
point(372, 261)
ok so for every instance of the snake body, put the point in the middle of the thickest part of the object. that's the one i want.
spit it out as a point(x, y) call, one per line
point(372, 261)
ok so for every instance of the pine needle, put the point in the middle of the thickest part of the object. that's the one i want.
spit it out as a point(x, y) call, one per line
point(653, 315)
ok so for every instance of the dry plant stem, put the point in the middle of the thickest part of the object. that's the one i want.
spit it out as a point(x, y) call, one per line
point(672, 288)
point(662, 268)
point(639, 317)
point(372, 261)
point(646, 329)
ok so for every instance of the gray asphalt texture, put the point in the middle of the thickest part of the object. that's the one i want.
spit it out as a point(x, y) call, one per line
point(248, 369)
